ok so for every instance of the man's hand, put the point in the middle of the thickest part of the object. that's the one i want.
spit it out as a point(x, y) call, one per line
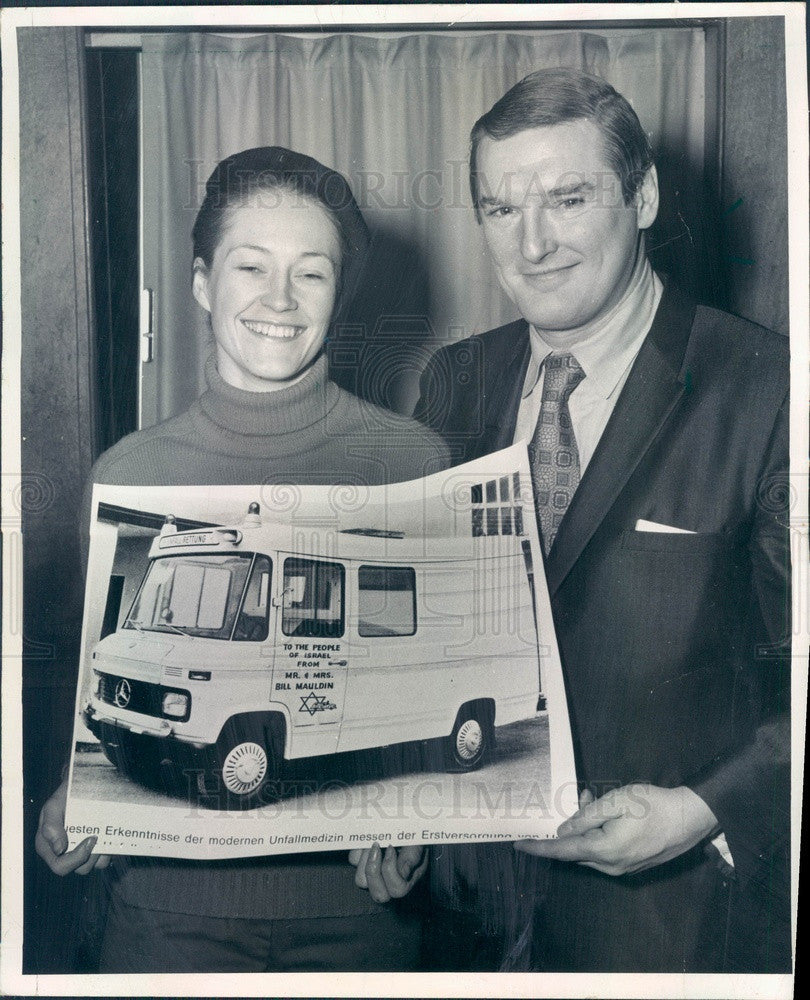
point(52, 840)
point(629, 829)
point(390, 874)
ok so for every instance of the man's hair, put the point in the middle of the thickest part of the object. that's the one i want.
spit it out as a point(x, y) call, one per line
point(554, 96)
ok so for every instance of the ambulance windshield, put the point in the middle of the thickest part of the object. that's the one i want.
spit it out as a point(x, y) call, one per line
point(199, 595)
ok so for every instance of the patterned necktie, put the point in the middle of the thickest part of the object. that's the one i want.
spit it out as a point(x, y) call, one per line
point(553, 448)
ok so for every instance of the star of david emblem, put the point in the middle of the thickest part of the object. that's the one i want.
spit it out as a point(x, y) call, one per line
point(315, 703)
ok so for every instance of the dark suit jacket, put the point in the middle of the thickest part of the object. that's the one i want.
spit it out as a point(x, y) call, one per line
point(673, 645)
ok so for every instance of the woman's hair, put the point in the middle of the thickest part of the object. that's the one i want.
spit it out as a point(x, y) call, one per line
point(554, 96)
point(266, 170)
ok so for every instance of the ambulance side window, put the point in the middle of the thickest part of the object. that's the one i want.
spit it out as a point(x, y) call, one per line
point(387, 601)
point(312, 602)
point(252, 623)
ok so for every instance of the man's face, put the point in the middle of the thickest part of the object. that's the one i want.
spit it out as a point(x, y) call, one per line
point(561, 237)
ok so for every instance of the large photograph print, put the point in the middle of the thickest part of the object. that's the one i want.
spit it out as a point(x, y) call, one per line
point(330, 666)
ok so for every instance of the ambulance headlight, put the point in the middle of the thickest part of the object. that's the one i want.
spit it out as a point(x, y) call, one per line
point(175, 705)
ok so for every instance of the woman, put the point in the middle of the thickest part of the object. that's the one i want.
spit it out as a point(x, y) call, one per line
point(277, 239)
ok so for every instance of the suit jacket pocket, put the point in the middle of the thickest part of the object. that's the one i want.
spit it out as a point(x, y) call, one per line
point(676, 542)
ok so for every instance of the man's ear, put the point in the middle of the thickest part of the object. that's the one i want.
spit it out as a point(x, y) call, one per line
point(199, 284)
point(647, 199)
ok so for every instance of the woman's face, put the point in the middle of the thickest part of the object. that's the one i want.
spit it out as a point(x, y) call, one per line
point(271, 288)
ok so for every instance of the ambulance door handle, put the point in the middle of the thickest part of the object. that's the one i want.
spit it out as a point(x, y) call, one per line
point(338, 663)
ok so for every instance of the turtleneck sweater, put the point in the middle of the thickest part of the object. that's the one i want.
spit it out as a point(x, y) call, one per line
point(311, 432)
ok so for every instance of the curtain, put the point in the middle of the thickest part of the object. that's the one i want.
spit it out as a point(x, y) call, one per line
point(393, 113)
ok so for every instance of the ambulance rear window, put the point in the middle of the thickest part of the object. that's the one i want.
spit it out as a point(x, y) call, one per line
point(387, 601)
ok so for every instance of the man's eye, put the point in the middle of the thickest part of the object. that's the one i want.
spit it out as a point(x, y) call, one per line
point(312, 275)
point(500, 211)
point(249, 268)
point(573, 202)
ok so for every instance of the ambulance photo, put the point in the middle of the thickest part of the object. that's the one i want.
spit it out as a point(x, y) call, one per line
point(242, 650)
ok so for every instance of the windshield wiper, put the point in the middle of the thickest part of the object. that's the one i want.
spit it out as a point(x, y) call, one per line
point(176, 628)
point(158, 625)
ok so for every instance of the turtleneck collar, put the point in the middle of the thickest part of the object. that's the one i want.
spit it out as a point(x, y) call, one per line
point(262, 414)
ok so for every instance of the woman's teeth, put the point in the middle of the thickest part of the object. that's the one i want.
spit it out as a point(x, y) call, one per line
point(273, 329)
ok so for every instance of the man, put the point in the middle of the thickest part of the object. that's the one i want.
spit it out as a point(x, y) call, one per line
point(654, 428)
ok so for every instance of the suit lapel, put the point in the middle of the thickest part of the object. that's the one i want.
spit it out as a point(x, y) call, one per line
point(503, 399)
point(652, 391)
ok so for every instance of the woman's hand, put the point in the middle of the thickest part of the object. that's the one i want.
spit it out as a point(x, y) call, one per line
point(388, 875)
point(52, 840)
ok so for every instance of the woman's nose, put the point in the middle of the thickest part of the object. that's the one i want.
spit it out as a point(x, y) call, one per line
point(537, 237)
point(278, 294)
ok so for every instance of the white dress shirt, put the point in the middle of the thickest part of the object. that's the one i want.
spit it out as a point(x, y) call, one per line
point(606, 352)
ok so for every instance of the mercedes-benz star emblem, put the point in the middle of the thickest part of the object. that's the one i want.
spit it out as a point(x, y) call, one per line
point(123, 692)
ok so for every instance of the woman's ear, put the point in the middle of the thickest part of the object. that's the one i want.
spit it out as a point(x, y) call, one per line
point(647, 199)
point(199, 284)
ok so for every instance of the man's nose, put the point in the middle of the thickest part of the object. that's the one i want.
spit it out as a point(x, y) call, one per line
point(278, 294)
point(537, 236)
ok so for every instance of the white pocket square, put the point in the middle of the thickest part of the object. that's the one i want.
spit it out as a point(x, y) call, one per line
point(721, 844)
point(642, 525)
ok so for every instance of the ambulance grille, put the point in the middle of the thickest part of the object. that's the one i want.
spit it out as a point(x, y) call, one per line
point(135, 696)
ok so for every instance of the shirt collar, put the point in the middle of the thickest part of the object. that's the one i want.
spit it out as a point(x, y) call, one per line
point(613, 341)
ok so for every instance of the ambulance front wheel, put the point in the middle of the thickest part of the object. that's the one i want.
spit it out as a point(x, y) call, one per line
point(248, 761)
point(134, 756)
point(472, 738)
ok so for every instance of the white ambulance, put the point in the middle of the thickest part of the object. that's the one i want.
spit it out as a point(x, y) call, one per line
point(243, 649)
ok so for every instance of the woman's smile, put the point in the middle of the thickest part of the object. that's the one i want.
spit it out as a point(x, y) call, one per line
point(276, 331)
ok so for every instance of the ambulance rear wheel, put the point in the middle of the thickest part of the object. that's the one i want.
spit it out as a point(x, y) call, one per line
point(247, 757)
point(471, 740)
